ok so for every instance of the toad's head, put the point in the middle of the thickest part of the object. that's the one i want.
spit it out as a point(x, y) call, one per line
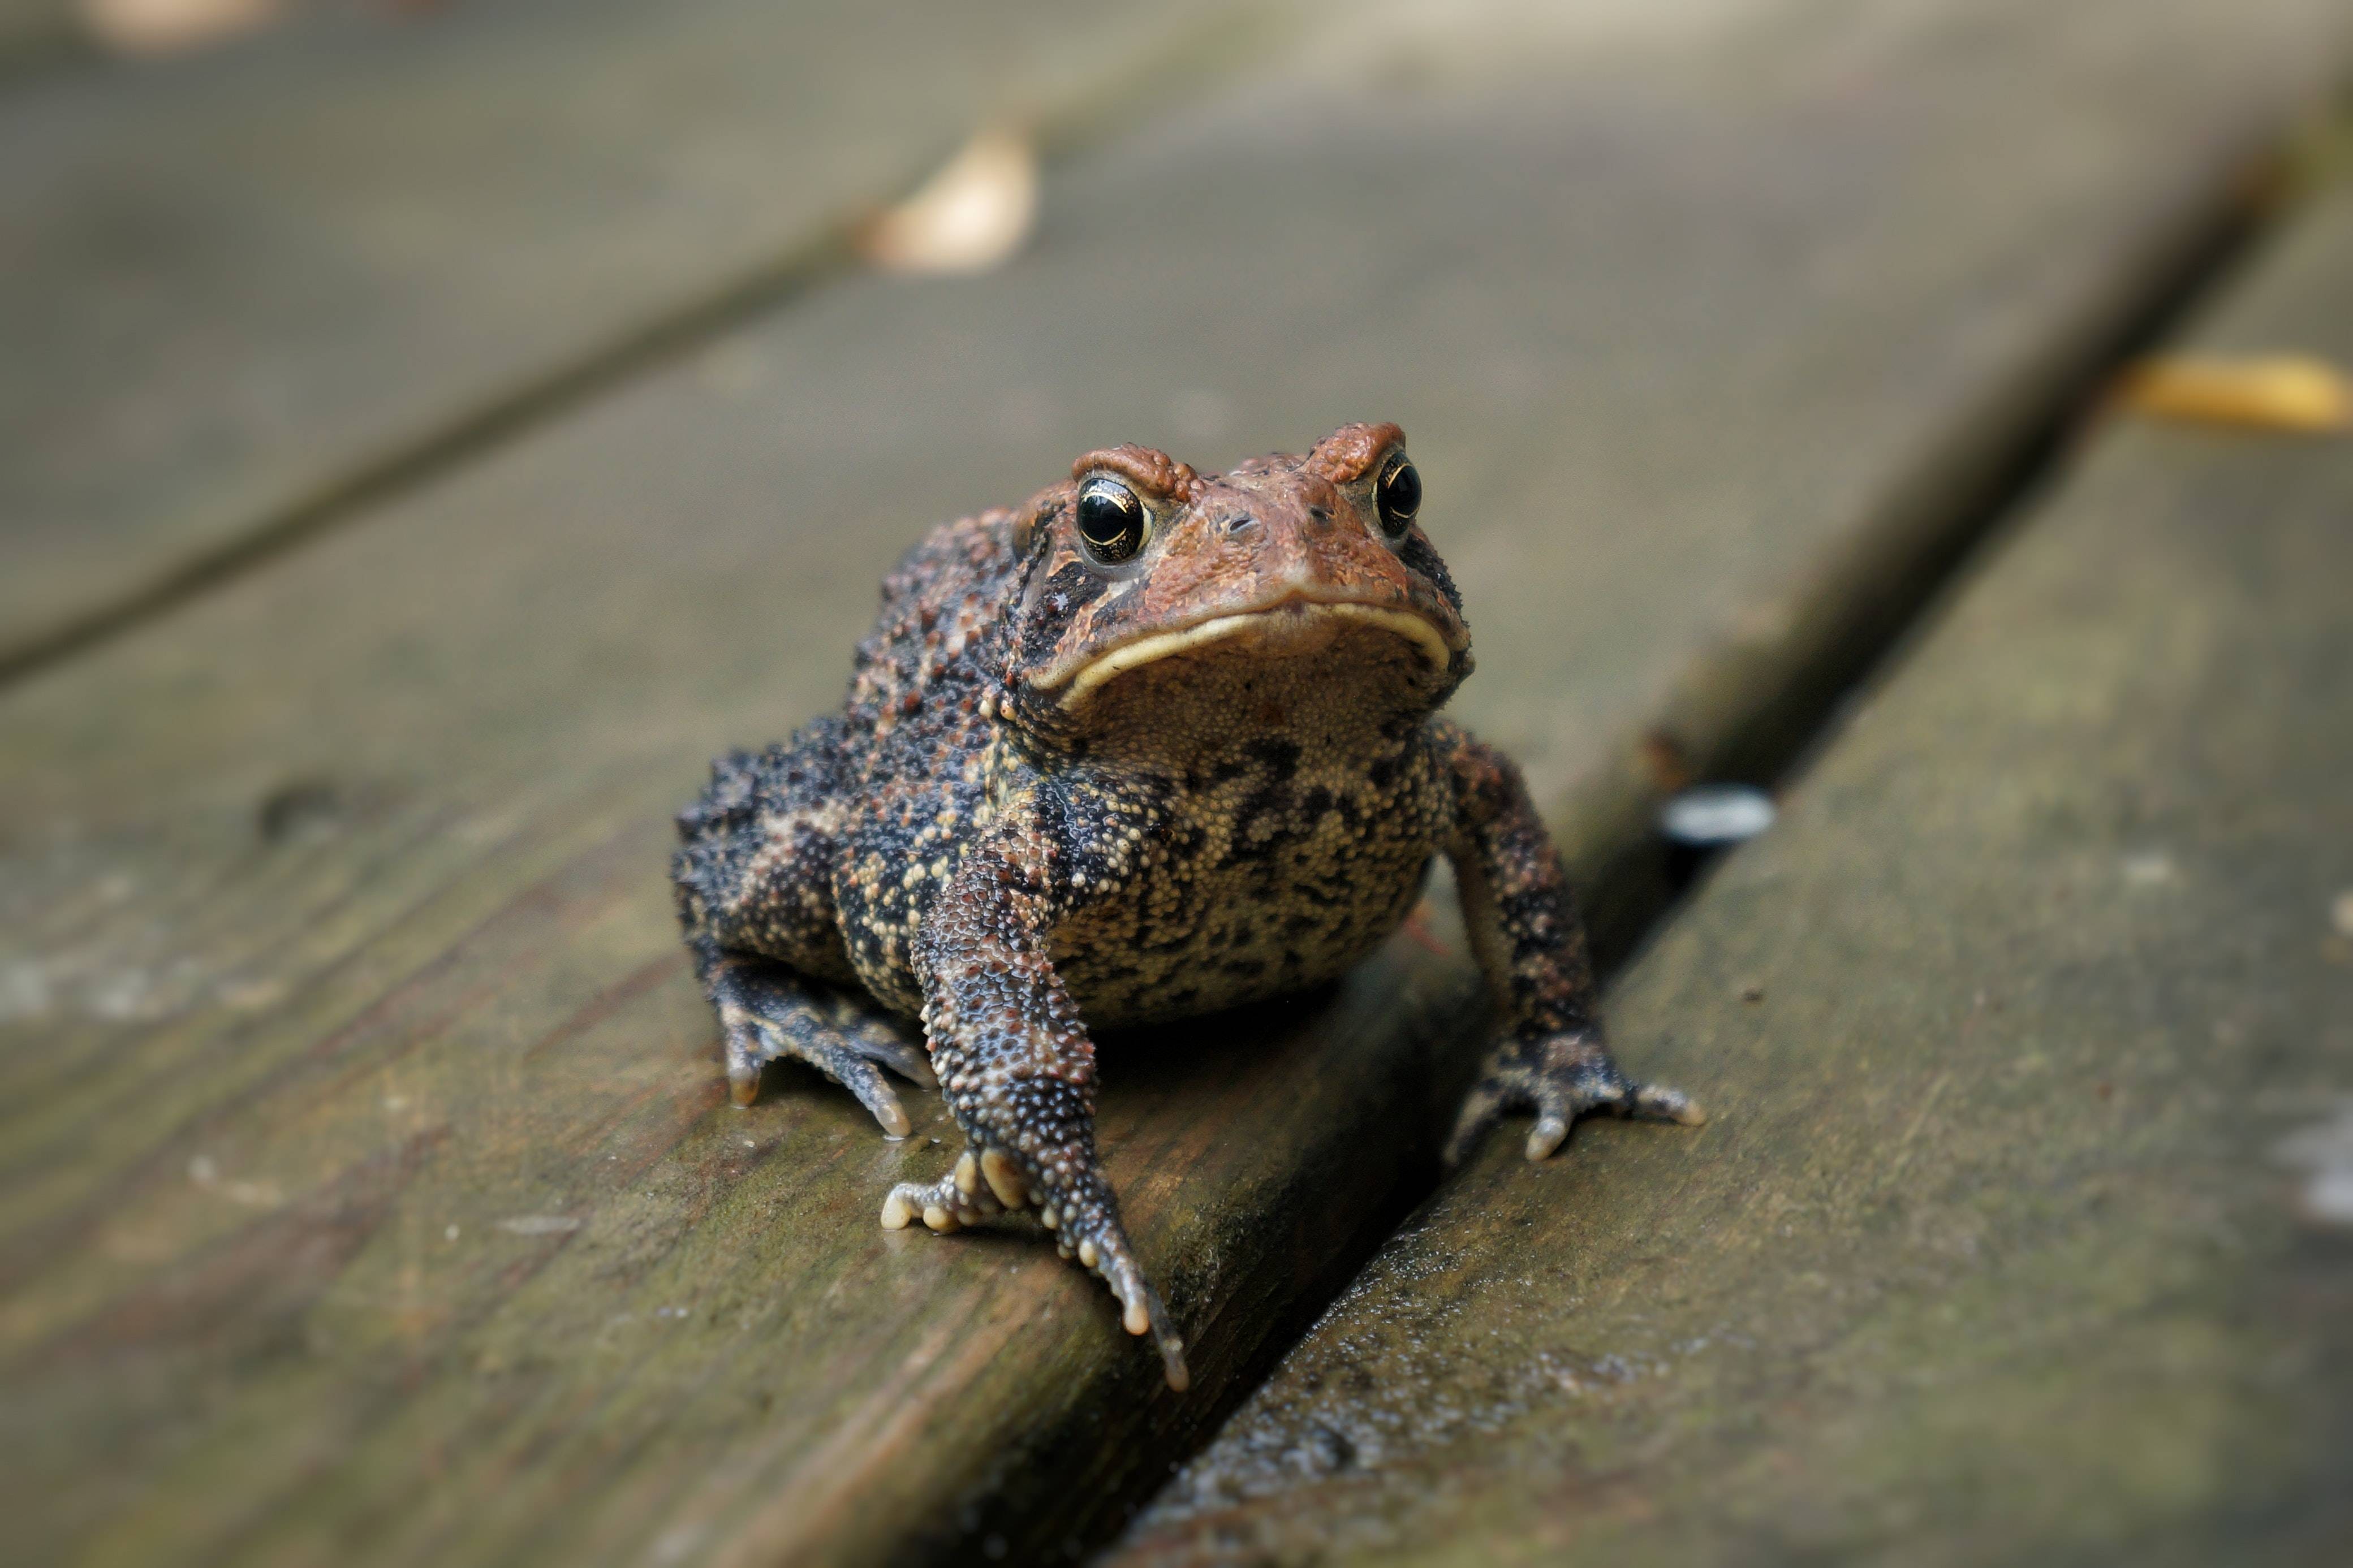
point(1293, 591)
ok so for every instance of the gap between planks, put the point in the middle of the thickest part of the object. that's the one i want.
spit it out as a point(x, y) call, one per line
point(1758, 710)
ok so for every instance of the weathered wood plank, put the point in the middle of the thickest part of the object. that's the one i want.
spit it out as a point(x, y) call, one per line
point(2014, 1240)
point(344, 982)
point(32, 28)
point(237, 287)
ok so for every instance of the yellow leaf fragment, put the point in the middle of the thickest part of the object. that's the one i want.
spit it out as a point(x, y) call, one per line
point(2267, 392)
point(970, 216)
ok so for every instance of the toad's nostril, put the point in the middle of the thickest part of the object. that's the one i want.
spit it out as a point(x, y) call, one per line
point(1242, 526)
point(1319, 515)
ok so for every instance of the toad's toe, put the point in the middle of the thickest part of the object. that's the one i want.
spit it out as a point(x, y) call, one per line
point(1080, 1214)
point(1561, 1079)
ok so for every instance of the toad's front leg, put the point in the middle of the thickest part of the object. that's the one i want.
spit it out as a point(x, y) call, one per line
point(1523, 926)
point(1018, 1070)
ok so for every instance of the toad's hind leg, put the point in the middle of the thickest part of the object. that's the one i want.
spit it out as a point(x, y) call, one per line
point(769, 1012)
point(754, 877)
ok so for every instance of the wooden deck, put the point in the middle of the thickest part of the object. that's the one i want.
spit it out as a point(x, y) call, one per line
point(257, 292)
point(2024, 1232)
point(441, 437)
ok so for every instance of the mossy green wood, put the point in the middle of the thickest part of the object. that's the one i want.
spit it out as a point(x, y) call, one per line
point(2030, 1032)
point(368, 1192)
point(245, 287)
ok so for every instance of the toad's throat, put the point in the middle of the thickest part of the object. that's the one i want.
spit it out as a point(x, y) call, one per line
point(1293, 620)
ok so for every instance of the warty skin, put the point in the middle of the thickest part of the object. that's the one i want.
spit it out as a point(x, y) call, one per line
point(1151, 744)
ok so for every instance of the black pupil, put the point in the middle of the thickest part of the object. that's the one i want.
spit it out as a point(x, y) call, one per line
point(1111, 519)
point(1400, 497)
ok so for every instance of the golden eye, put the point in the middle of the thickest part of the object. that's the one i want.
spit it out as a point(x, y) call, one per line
point(1112, 522)
point(1397, 495)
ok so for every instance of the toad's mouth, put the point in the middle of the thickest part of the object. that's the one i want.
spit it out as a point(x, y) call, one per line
point(1294, 624)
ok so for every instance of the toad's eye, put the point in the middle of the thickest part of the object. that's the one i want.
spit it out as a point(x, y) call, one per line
point(1398, 495)
point(1112, 522)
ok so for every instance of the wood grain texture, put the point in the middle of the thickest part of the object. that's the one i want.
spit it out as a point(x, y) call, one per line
point(368, 1191)
point(2013, 1240)
point(244, 286)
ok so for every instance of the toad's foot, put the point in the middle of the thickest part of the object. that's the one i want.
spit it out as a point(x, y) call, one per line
point(770, 1013)
point(1078, 1209)
point(1560, 1078)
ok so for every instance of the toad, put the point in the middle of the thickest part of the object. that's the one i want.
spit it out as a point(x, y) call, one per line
point(1151, 744)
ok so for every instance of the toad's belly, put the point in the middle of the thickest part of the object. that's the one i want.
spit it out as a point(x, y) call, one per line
point(1190, 937)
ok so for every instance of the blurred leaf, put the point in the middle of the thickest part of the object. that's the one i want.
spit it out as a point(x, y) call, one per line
point(970, 216)
point(167, 27)
point(2270, 391)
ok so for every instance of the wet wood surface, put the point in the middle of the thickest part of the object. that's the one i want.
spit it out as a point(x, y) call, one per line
point(251, 285)
point(370, 1192)
point(2024, 1232)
